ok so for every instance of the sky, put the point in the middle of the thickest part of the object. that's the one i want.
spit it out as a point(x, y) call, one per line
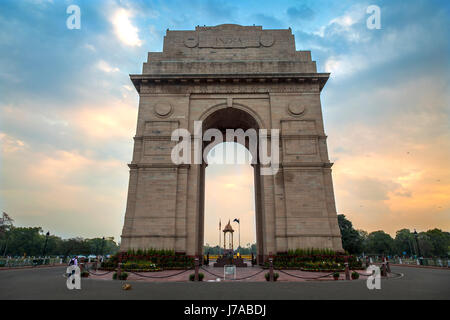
point(68, 110)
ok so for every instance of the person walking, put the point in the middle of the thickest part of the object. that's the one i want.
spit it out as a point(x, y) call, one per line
point(72, 262)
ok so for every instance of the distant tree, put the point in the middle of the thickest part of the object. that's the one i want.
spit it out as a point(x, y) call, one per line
point(440, 241)
point(19, 241)
point(404, 242)
point(6, 224)
point(426, 245)
point(99, 246)
point(25, 241)
point(364, 235)
point(352, 240)
point(218, 250)
point(379, 242)
point(75, 246)
point(211, 250)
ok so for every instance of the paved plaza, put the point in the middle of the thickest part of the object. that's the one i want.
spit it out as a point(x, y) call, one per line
point(249, 274)
point(49, 283)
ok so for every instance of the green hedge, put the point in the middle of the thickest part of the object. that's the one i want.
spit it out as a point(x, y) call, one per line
point(314, 260)
point(150, 260)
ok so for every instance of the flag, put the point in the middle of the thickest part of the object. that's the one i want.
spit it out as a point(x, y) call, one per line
point(220, 225)
point(236, 220)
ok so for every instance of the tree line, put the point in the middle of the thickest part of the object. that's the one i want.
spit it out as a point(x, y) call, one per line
point(431, 243)
point(32, 241)
point(248, 250)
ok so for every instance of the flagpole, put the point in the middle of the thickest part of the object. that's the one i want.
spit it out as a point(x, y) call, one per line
point(239, 238)
point(220, 235)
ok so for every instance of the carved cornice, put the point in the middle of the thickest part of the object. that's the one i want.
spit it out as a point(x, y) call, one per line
point(158, 166)
point(302, 136)
point(311, 235)
point(262, 79)
point(152, 236)
point(314, 165)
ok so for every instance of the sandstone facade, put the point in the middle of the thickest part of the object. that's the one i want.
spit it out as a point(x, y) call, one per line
point(231, 76)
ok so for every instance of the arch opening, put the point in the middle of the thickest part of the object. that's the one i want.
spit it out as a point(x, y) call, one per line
point(230, 183)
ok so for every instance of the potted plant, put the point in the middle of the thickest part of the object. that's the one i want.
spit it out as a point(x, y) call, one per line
point(84, 274)
point(275, 276)
point(123, 276)
point(200, 277)
point(355, 275)
point(336, 276)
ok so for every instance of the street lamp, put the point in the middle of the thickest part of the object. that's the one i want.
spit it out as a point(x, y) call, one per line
point(45, 245)
point(418, 247)
point(410, 248)
point(103, 244)
point(239, 223)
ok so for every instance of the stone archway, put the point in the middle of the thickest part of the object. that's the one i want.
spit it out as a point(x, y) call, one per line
point(235, 117)
point(257, 78)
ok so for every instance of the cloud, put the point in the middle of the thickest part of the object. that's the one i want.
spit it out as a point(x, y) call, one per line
point(9, 144)
point(125, 31)
point(389, 175)
point(116, 120)
point(105, 67)
point(65, 192)
point(302, 12)
point(268, 21)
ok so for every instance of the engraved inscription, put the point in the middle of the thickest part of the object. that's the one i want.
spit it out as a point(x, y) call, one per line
point(228, 41)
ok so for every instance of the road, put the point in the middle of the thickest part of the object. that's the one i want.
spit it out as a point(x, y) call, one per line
point(49, 284)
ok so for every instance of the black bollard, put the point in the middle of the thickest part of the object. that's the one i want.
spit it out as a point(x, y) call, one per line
point(196, 268)
point(119, 266)
point(271, 278)
point(347, 269)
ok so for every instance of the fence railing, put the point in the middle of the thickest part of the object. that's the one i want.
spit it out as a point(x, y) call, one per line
point(29, 262)
point(434, 262)
point(243, 256)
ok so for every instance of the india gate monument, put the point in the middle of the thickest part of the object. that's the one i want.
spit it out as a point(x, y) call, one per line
point(230, 77)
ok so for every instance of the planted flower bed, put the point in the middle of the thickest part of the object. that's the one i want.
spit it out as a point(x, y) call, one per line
point(314, 260)
point(150, 260)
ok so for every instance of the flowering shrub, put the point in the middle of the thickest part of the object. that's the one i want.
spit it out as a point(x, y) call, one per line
point(140, 266)
point(314, 260)
point(150, 260)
